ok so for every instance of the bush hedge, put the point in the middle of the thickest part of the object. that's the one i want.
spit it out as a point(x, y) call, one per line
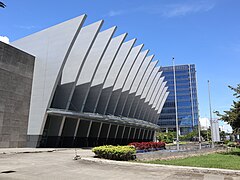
point(115, 152)
point(166, 137)
point(233, 144)
point(148, 146)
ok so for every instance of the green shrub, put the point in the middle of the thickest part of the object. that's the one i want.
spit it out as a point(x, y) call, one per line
point(166, 137)
point(115, 152)
point(226, 141)
point(190, 136)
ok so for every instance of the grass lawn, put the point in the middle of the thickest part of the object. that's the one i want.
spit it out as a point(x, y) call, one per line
point(230, 160)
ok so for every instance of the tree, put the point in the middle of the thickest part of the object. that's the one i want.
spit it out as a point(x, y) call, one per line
point(232, 116)
point(206, 134)
point(222, 135)
point(2, 5)
point(236, 90)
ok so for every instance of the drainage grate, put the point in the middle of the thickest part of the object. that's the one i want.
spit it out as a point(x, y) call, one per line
point(6, 172)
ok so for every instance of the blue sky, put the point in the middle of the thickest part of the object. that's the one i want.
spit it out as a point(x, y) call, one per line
point(203, 32)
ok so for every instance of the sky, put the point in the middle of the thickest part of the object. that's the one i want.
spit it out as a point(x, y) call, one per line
point(200, 32)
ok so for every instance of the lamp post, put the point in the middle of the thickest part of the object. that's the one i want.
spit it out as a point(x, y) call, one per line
point(199, 124)
point(210, 108)
point(175, 96)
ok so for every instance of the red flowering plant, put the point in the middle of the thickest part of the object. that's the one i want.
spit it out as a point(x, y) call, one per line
point(148, 145)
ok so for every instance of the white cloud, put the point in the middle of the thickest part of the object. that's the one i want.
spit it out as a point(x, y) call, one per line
point(168, 10)
point(28, 27)
point(224, 126)
point(4, 39)
point(185, 9)
point(205, 123)
point(115, 13)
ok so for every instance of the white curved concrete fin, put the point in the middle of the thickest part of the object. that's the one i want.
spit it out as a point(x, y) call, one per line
point(51, 48)
point(161, 98)
point(133, 73)
point(127, 67)
point(33, 42)
point(154, 84)
point(94, 57)
point(140, 74)
point(149, 82)
point(162, 103)
point(146, 77)
point(160, 91)
point(79, 52)
point(108, 59)
point(155, 93)
point(118, 63)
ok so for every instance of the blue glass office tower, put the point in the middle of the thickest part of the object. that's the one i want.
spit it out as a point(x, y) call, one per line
point(187, 102)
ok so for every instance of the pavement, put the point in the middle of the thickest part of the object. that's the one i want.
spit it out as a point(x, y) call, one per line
point(49, 163)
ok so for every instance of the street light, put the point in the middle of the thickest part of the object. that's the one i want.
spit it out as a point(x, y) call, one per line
point(199, 124)
point(210, 109)
point(175, 95)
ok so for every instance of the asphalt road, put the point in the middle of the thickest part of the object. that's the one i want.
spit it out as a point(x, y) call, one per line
point(60, 165)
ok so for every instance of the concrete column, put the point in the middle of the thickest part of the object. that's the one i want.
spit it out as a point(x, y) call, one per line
point(130, 128)
point(100, 128)
point(155, 136)
point(147, 134)
point(139, 133)
point(109, 128)
point(116, 132)
point(134, 133)
point(76, 129)
point(123, 131)
point(61, 126)
point(89, 128)
point(143, 133)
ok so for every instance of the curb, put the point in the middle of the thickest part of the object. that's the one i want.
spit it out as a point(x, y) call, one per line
point(22, 151)
point(192, 169)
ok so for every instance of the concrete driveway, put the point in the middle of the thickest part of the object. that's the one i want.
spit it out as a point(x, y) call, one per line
point(51, 164)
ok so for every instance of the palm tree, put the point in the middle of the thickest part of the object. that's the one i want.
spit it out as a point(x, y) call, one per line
point(2, 5)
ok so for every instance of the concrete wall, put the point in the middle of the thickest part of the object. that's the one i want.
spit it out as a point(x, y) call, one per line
point(16, 74)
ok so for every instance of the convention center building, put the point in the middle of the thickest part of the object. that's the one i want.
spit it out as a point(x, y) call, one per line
point(91, 87)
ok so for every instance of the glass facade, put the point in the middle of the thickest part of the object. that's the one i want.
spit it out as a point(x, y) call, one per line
point(187, 102)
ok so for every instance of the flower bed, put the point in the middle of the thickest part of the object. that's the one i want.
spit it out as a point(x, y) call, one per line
point(148, 146)
point(115, 152)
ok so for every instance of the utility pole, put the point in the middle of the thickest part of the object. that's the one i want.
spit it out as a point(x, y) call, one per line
point(210, 108)
point(175, 95)
point(207, 128)
point(199, 134)
point(199, 124)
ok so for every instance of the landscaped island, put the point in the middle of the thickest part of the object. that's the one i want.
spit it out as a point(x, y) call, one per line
point(126, 152)
point(223, 160)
